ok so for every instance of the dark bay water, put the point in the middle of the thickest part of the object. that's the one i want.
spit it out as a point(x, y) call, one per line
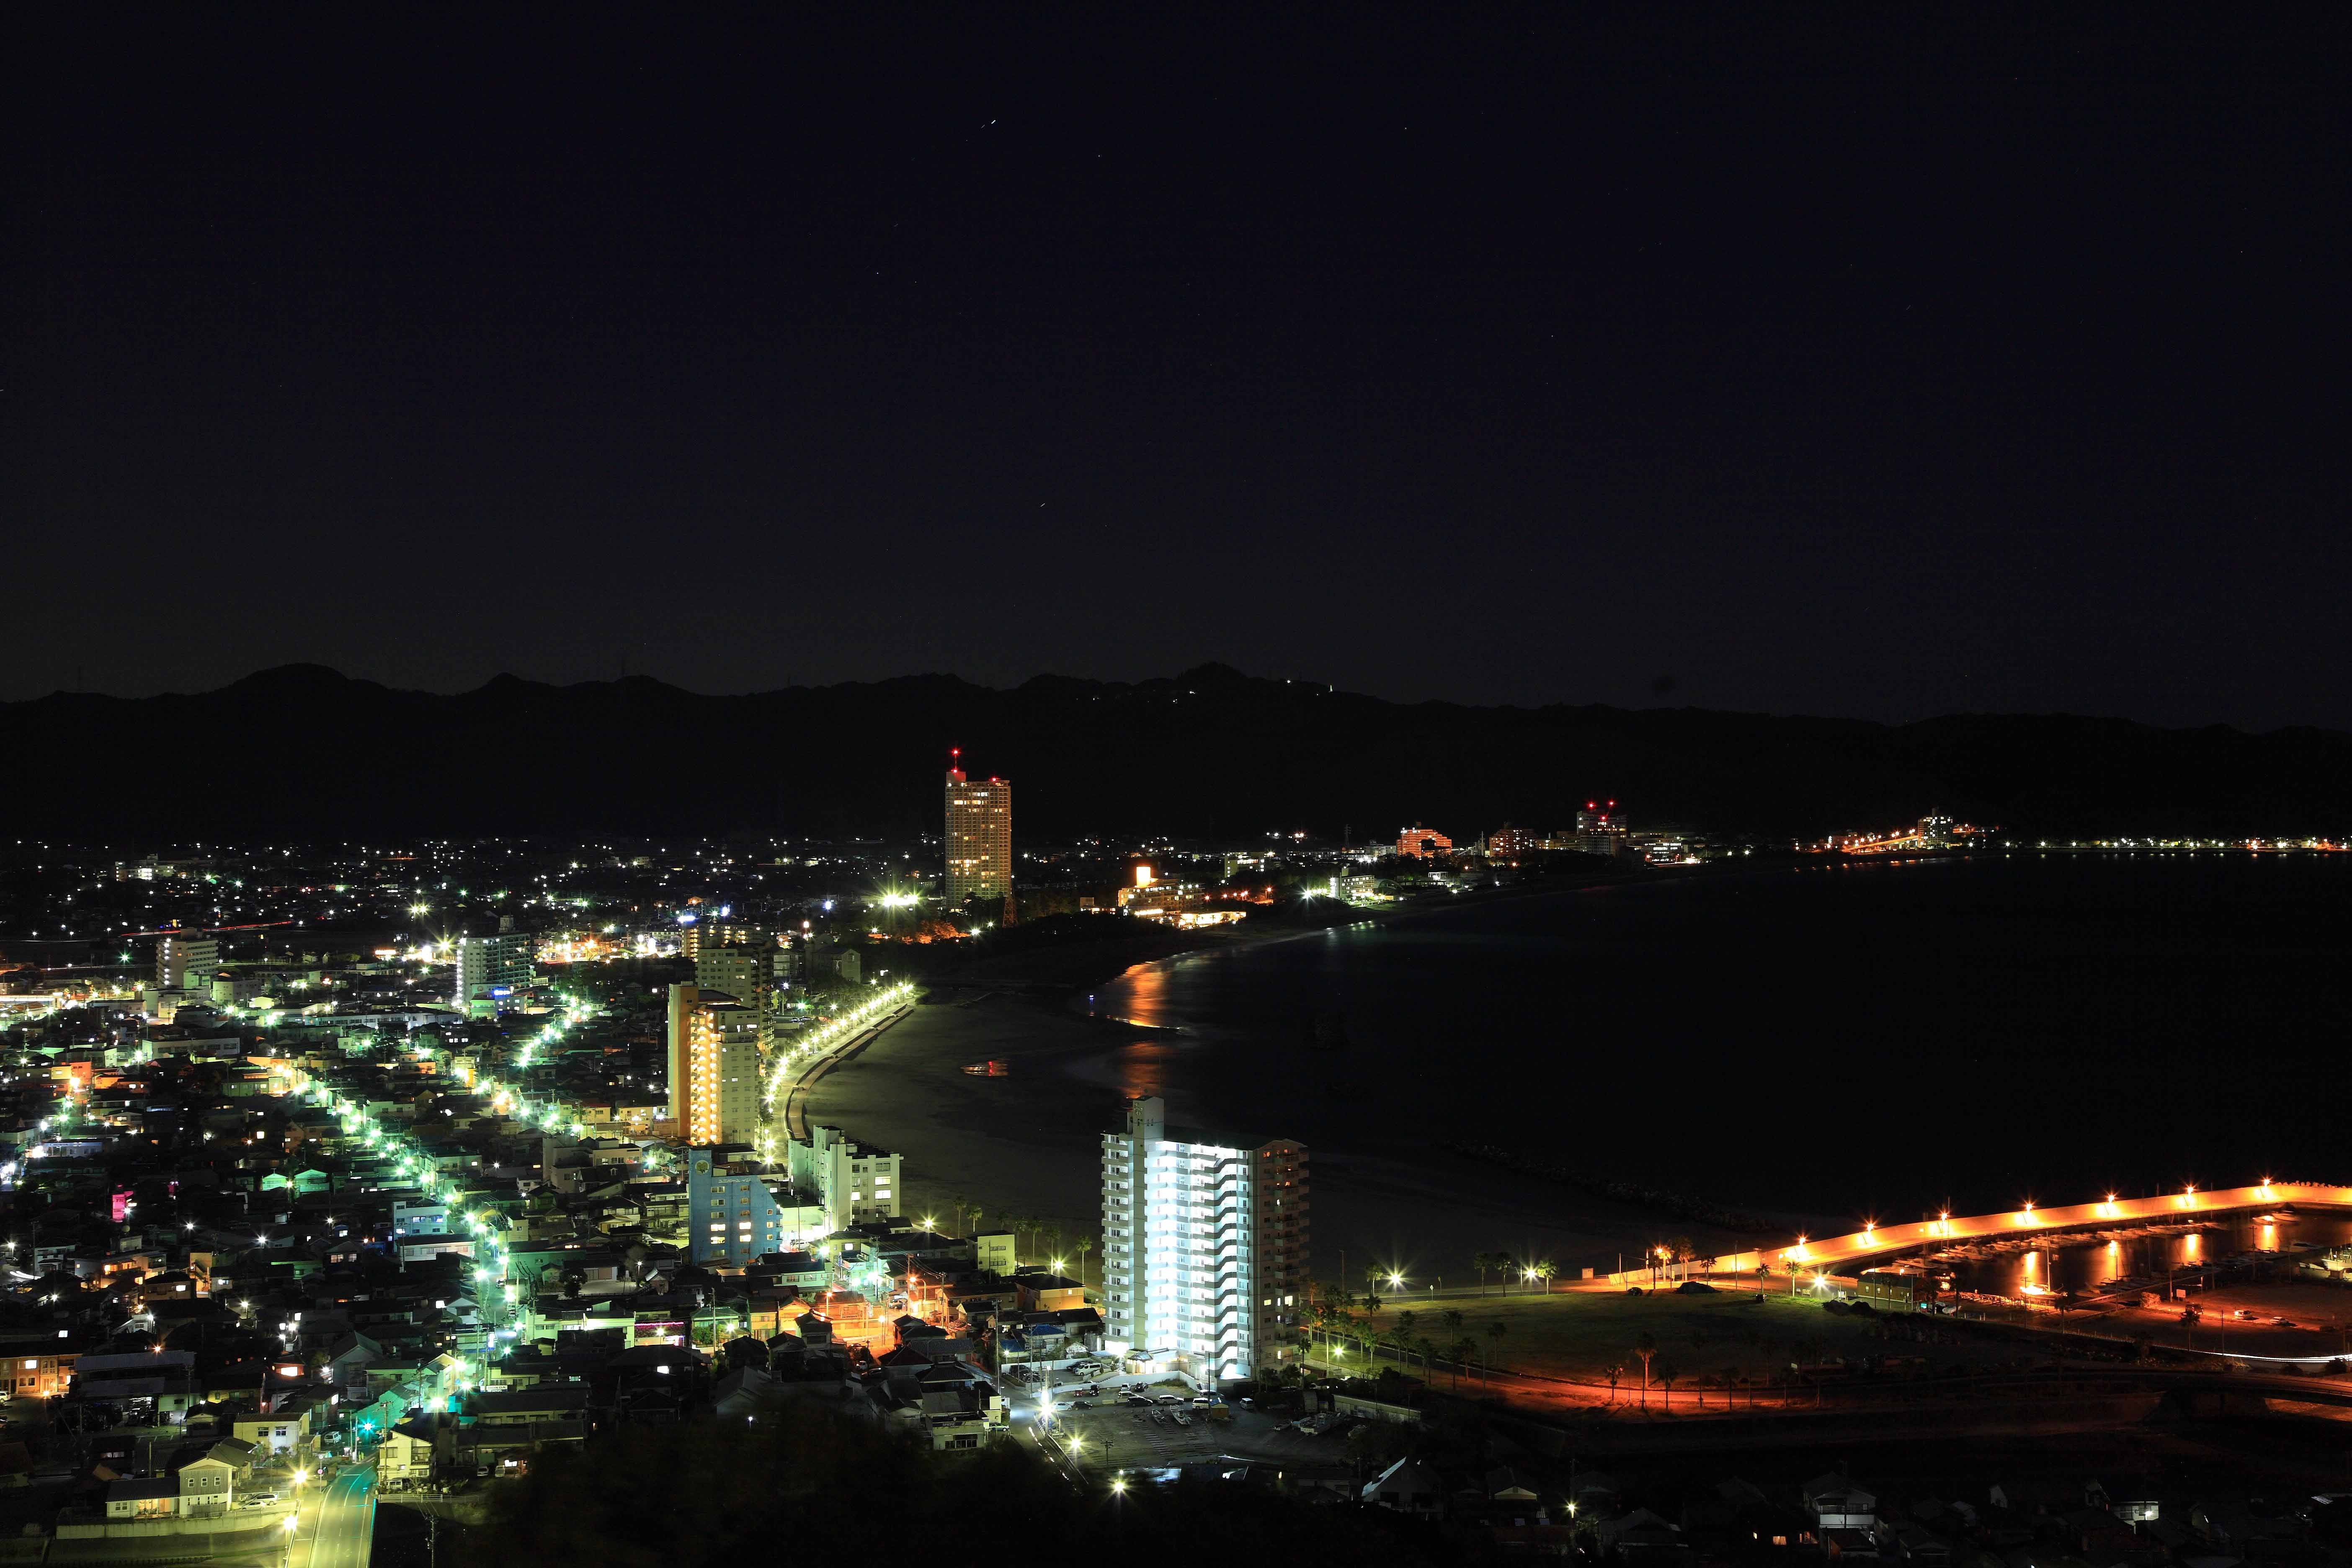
point(1871, 1039)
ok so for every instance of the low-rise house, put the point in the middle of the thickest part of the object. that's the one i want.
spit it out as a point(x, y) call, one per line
point(1923, 1547)
point(45, 1374)
point(1409, 1485)
point(1836, 1503)
point(280, 1432)
point(404, 1458)
point(209, 1480)
point(135, 1497)
point(2099, 1538)
point(526, 1406)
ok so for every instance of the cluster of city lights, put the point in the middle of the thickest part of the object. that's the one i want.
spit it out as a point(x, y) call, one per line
point(398, 1145)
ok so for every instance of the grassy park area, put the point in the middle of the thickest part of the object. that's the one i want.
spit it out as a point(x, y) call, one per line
point(1702, 1343)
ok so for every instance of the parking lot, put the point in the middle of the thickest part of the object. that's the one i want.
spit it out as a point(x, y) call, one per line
point(1114, 1435)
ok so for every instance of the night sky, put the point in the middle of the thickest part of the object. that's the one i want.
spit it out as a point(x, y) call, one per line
point(1901, 363)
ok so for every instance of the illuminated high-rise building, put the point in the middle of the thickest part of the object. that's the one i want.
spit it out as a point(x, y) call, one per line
point(745, 970)
point(1601, 828)
point(714, 1066)
point(1424, 843)
point(493, 971)
point(980, 838)
point(185, 960)
point(1204, 1248)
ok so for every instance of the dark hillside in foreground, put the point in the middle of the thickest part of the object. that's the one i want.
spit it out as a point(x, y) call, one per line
point(303, 751)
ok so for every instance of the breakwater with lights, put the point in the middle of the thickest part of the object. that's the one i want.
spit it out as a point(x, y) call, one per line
point(1876, 1243)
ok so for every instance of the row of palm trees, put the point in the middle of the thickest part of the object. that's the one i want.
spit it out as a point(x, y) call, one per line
point(1406, 1335)
point(1044, 1232)
point(1529, 1271)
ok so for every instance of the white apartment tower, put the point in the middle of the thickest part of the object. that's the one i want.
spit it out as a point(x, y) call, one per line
point(185, 960)
point(1204, 1248)
point(854, 1181)
point(493, 971)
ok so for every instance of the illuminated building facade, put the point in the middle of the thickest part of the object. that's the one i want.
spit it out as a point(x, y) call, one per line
point(1204, 1247)
point(186, 962)
point(980, 838)
point(747, 972)
point(493, 971)
point(1601, 828)
point(714, 1066)
point(1420, 843)
point(854, 1181)
point(1508, 843)
point(733, 1216)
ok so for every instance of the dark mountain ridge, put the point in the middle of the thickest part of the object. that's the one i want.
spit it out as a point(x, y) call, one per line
point(304, 751)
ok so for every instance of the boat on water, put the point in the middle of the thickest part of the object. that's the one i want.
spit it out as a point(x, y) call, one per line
point(993, 1068)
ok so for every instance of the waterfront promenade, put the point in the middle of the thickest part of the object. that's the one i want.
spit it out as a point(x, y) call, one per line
point(1872, 1241)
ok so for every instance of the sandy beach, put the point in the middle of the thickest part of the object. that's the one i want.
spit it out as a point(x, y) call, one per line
point(1029, 1143)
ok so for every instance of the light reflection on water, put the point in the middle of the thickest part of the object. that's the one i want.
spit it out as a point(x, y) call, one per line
point(1142, 995)
point(2091, 1261)
point(1141, 1068)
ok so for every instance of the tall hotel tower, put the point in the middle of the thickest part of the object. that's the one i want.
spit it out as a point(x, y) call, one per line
point(979, 837)
point(714, 1066)
point(1204, 1248)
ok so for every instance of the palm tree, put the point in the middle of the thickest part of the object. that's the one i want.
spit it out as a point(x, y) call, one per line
point(1645, 1347)
point(1544, 1268)
point(1464, 1350)
point(1428, 1349)
point(1403, 1331)
point(1482, 1262)
point(1495, 1331)
point(1731, 1381)
point(1083, 1246)
point(1666, 1372)
point(1614, 1370)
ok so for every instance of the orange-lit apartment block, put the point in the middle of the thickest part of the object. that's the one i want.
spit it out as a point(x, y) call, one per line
point(1420, 843)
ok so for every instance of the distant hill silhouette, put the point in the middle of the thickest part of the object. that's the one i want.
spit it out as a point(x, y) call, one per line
point(303, 750)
